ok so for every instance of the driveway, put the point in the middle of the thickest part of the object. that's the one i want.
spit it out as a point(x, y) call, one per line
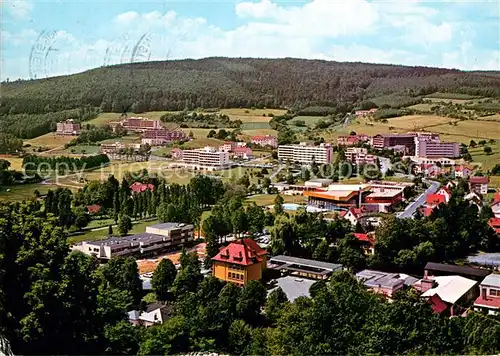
point(412, 208)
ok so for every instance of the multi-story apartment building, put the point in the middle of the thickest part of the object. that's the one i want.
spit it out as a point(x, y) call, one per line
point(240, 262)
point(304, 153)
point(359, 156)
point(265, 140)
point(479, 184)
point(138, 124)
point(156, 240)
point(350, 140)
point(68, 127)
point(428, 147)
point(228, 146)
point(159, 137)
point(489, 295)
point(381, 141)
point(207, 157)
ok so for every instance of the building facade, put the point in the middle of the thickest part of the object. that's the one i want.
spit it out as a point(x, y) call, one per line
point(138, 124)
point(430, 148)
point(68, 127)
point(382, 141)
point(265, 140)
point(160, 137)
point(239, 262)
point(479, 184)
point(307, 154)
point(207, 157)
point(489, 295)
point(359, 156)
point(350, 140)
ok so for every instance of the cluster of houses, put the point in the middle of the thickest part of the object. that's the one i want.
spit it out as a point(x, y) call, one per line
point(152, 131)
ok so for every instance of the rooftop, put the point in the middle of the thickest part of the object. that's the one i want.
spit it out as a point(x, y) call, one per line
point(171, 226)
point(320, 180)
point(450, 288)
point(435, 199)
point(245, 252)
point(479, 180)
point(488, 302)
point(294, 287)
point(126, 240)
point(441, 267)
point(381, 279)
point(331, 267)
point(385, 194)
point(492, 280)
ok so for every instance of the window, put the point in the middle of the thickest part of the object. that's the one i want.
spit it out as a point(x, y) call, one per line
point(495, 292)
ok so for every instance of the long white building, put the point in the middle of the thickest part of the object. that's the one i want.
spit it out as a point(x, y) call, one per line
point(304, 153)
point(207, 157)
point(434, 148)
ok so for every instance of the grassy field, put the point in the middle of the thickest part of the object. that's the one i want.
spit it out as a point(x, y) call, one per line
point(137, 228)
point(23, 191)
point(487, 161)
point(268, 199)
point(81, 149)
point(50, 140)
point(451, 96)
point(309, 120)
point(471, 129)
point(16, 163)
point(495, 182)
point(252, 113)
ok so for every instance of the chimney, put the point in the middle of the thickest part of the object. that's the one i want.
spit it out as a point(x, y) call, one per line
point(427, 284)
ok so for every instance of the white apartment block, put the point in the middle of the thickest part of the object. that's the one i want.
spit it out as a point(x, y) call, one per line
point(207, 157)
point(433, 148)
point(303, 153)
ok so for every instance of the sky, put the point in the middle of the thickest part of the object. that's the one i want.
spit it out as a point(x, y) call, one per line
point(56, 37)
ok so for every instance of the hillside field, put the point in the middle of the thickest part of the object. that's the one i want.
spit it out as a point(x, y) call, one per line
point(50, 140)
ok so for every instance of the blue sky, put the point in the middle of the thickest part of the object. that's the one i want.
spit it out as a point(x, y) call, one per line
point(56, 37)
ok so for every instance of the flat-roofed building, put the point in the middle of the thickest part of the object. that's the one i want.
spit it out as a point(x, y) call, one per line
point(431, 148)
point(265, 140)
point(138, 124)
point(160, 137)
point(207, 157)
point(307, 154)
point(303, 267)
point(68, 127)
point(318, 183)
point(383, 282)
point(156, 240)
point(338, 195)
point(433, 269)
point(359, 156)
point(382, 141)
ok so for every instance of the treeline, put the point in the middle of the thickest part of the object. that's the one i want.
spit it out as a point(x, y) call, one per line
point(200, 120)
point(94, 134)
point(26, 122)
point(9, 143)
point(11, 177)
point(235, 82)
point(63, 164)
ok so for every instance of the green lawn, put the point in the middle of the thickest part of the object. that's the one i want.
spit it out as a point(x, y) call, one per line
point(106, 117)
point(309, 120)
point(81, 149)
point(268, 199)
point(23, 191)
point(138, 227)
point(487, 161)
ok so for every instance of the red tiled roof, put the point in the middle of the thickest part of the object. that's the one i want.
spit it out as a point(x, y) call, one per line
point(365, 238)
point(262, 137)
point(488, 301)
point(92, 209)
point(479, 180)
point(435, 199)
point(244, 252)
point(437, 304)
point(426, 211)
point(495, 222)
point(242, 150)
point(446, 189)
point(496, 199)
point(139, 187)
point(461, 168)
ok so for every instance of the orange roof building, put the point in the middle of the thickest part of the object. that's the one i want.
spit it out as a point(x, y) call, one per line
point(239, 262)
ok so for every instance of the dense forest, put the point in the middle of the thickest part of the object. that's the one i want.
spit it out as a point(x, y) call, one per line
point(235, 82)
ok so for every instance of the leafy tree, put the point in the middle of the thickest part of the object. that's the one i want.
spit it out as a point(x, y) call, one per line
point(82, 218)
point(163, 278)
point(239, 338)
point(122, 338)
point(487, 150)
point(110, 230)
point(251, 299)
point(276, 301)
point(124, 224)
point(123, 274)
point(278, 205)
point(256, 218)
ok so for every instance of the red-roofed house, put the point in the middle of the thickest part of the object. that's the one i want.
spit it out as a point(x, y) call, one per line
point(462, 172)
point(495, 205)
point(489, 297)
point(93, 209)
point(243, 152)
point(426, 211)
point(437, 304)
point(495, 224)
point(353, 215)
point(479, 184)
point(139, 187)
point(367, 242)
point(433, 200)
point(446, 192)
point(239, 262)
point(265, 140)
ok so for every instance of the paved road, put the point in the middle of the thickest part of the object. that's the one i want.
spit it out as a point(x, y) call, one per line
point(412, 208)
point(280, 167)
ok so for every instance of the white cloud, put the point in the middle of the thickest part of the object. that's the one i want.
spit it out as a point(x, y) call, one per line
point(25, 36)
point(126, 18)
point(19, 9)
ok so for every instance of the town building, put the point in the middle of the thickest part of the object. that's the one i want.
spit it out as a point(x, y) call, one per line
point(228, 146)
point(495, 224)
point(302, 267)
point(475, 199)
point(479, 184)
point(206, 158)
point(448, 293)
point(429, 148)
point(68, 127)
point(306, 154)
point(462, 172)
point(158, 137)
point(495, 205)
point(433, 269)
point(138, 124)
point(239, 262)
point(117, 147)
point(154, 313)
point(293, 287)
point(318, 183)
point(157, 239)
point(359, 156)
point(363, 113)
point(138, 187)
point(383, 282)
point(444, 190)
point(489, 295)
point(352, 215)
point(367, 242)
point(242, 152)
point(433, 200)
point(382, 141)
point(265, 140)
point(350, 140)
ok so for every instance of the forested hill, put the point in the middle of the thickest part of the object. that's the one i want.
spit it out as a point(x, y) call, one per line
point(235, 82)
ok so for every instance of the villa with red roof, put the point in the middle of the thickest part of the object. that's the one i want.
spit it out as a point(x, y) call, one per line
point(433, 200)
point(239, 262)
point(462, 172)
point(265, 140)
point(479, 184)
point(139, 187)
point(444, 190)
point(367, 242)
point(353, 215)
